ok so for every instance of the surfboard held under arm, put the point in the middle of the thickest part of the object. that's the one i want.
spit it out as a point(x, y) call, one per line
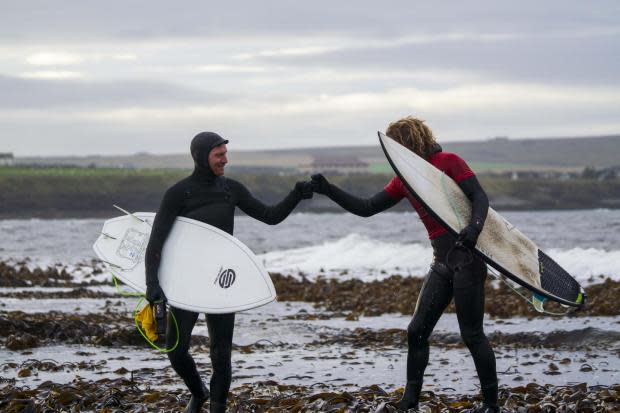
point(500, 243)
point(202, 269)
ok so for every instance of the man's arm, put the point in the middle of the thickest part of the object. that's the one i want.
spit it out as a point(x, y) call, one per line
point(363, 207)
point(168, 211)
point(270, 214)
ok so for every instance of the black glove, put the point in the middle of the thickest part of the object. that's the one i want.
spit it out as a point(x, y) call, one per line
point(320, 185)
point(468, 237)
point(154, 293)
point(303, 189)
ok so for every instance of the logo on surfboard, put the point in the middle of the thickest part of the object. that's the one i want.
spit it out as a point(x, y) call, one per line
point(225, 277)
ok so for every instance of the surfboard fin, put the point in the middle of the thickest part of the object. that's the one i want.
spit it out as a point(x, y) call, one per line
point(130, 214)
point(111, 264)
point(107, 235)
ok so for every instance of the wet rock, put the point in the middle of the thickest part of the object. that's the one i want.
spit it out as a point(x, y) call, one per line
point(20, 275)
point(269, 396)
point(390, 338)
point(398, 294)
point(79, 292)
point(23, 341)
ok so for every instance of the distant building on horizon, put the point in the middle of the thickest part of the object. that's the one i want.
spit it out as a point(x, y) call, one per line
point(336, 165)
point(6, 159)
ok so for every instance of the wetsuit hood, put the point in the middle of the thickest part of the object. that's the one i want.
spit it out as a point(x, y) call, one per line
point(201, 146)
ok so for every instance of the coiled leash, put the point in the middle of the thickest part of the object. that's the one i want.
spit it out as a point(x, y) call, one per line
point(160, 311)
point(464, 257)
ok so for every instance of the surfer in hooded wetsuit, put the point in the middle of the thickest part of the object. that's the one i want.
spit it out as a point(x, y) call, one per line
point(454, 273)
point(207, 196)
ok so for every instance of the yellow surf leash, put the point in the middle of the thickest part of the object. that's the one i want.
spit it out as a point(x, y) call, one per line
point(135, 314)
point(144, 335)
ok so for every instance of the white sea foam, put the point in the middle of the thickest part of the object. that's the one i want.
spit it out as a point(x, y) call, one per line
point(586, 263)
point(359, 256)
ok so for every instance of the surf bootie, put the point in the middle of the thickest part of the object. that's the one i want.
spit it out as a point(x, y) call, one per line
point(196, 402)
point(411, 396)
point(217, 407)
point(490, 394)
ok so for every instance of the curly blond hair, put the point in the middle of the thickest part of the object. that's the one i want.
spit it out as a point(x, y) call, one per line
point(413, 134)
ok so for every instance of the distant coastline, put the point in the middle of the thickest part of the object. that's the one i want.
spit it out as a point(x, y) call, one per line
point(83, 192)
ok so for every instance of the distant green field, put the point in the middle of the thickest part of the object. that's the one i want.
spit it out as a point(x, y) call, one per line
point(90, 172)
point(90, 192)
point(502, 167)
point(380, 168)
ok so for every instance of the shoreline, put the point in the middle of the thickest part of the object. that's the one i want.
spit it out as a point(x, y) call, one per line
point(106, 213)
point(91, 193)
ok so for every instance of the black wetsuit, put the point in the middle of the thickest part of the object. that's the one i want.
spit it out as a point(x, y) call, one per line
point(210, 199)
point(440, 286)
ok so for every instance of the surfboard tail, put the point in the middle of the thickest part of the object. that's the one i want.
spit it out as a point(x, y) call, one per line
point(557, 281)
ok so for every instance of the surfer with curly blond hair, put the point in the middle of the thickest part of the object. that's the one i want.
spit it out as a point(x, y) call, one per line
point(461, 277)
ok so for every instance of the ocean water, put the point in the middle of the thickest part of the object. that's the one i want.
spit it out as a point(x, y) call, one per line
point(584, 242)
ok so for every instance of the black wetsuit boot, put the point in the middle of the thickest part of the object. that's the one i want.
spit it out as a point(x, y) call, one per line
point(490, 405)
point(196, 402)
point(411, 396)
point(217, 407)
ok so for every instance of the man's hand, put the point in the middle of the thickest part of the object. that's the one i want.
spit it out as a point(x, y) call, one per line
point(320, 185)
point(304, 189)
point(468, 236)
point(154, 293)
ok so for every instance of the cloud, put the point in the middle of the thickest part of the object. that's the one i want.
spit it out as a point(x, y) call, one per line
point(68, 59)
point(529, 58)
point(48, 91)
point(226, 68)
point(53, 59)
point(475, 97)
point(52, 74)
point(39, 20)
point(262, 69)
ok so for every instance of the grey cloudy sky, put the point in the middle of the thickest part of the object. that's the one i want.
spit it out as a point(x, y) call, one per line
point(83, 77)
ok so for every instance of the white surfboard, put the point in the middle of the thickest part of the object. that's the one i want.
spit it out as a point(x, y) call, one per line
point(500, 243)
point(202, 269)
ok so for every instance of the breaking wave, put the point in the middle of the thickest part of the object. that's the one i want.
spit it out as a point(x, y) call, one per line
point(359, 256)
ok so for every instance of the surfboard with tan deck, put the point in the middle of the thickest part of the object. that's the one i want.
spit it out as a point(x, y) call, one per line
point(500, 243)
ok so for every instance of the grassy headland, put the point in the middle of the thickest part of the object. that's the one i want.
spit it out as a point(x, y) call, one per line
point(90, 192)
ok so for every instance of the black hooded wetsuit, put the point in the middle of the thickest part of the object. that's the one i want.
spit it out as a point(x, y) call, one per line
point(440, 285)
point(210, 199)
